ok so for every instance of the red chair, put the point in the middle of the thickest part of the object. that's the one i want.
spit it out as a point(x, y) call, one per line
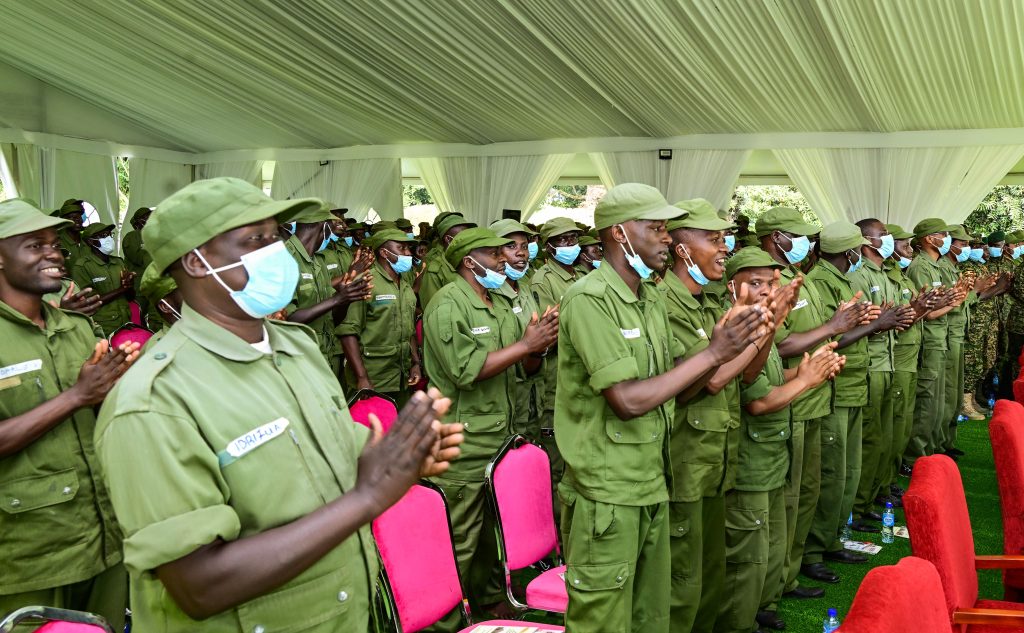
point(519, 485)
point(51, 620)
point(1018, 383)
point(420, 578)
point(366, 402)
point(1006, 431)
point(130, 333)
point(940, 532)
point(899, 598)
point(136, 312)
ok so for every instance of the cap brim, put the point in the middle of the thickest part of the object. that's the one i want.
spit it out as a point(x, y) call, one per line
point(488, 243)
point(668, 212)
point(282, 210)
point(716, 225)
point(32, 224)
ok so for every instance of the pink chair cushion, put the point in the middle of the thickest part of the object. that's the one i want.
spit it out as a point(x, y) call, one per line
point(547, 592)
point(898, 598)
point(381, 407)
point(416, 549)
point(130, 334)
point(515, 625)
point(1006, 432)
point(522, 486)
point(136, 312)
point(69, 627)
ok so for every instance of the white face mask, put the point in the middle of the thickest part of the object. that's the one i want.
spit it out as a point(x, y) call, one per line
point(105, 245)
point(177, 315)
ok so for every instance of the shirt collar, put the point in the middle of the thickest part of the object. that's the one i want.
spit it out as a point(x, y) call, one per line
point(618, 284)
point(221, 342)
point(675, 286)
point(56, 320)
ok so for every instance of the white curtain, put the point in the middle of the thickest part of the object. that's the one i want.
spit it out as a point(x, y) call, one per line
point(898, 185)
point(90, 177)
point(690, 173)
point(154, 180)
point(479, 187)
point(22, 176)
point(358, 185)
point(247, 170)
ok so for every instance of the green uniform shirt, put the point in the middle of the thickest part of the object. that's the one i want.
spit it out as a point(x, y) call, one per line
point(702, 427)
point(338, 258)
point(438, 274)
point(90, 271)
point(851, 389)
point(908, 342)
point(1015, 323)
point(608, 335)
point(384, 326)
point(877, 288)
point(57, 522)
point(207, 437)
point(459, 331)
point(549, 285)
point(924, 272)
point(956, 319)
point(314, 287)
point(808, 314)
point(135, 256)
point(763, 450)
point(73, 250)
point(529, 388)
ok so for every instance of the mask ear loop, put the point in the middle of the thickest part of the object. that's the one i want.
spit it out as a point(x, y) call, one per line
point(171, 308)
point(634, 254)
point(213, 271)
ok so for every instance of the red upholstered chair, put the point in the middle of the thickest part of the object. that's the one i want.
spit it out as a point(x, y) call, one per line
point(420, 579)
point(1018, 383)
point(1006, 431)
point(50, 620)
point(130, 333)
point(365, 402)
point(940, 532)
point(899, 598)
point(136, 312)
point(519, 487)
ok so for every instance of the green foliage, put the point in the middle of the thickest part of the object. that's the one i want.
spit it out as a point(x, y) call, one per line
point(1000, 210)
point(122, 185)
point(567, 196)
point(753, 200)
point(413, 195)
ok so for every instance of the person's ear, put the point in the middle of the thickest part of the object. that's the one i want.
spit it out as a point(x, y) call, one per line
point(193, 266)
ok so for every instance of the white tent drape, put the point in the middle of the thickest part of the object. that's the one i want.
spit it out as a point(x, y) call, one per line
point(479, 187)
point(22, 176)
point(690, 173)
point(358, 185)
point(898, 185)
point(90, 177)
point(247, 170)
point(154, 180)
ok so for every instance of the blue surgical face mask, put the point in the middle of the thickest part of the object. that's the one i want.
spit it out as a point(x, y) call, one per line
point(964, 255)
point(290, 227)
point(328, 234)
point(567, 254)
point(533, 248)
point(596, 263)
point(273, 274)
point(888, 246)
point(403, 265)
point(411, 236)
point(1018, 251)
point(800, 246)
point(730, 242)
point(514, 273)
point(977, 255)
point(995, 251)
point(105, 245)
point(904, 262)
point(492, 279)
point(854, 266)
point(946, 243)
point(634, 260)
point(349, 241)
point(693, 269)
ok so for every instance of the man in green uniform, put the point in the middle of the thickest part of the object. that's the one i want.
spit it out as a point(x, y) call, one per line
point(1015, 319)
point(378, 335)
point(1002, 263)
point(237, 425)
point(980, 344)
point(756, 537)
point(339, 253)
point(590, 254)
point(135, 256)
point(439, 273)
point(105, 273)
point(71, 234)
point(62, 546)
point(162, 294)
point(618, 378)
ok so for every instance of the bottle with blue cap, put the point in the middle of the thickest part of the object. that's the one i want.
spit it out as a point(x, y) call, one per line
point(888, 522)
point(831, 622)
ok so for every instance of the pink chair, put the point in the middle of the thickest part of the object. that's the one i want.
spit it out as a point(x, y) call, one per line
point(130, 333)
point(897, 598)
point(519, 483)
point(53, 620)
point(420, 578)
point(136, 311)
point(365, 402)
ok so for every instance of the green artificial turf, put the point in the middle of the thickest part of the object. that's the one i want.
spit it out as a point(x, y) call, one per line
point(979, 477)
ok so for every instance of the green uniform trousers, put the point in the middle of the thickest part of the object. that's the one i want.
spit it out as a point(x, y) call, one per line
point(547, 440)
point(904, 392)
point(476, 548)
point(105, 594)
point(877, 441)
point(755, 541)
point(802, 492)
point(619, 565)
point(840, 472)
point(929, 405)
point(954, 393)
point(698, 562)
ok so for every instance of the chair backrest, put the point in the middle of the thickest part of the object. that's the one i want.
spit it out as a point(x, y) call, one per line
point(940, 528)
point(135, 310)
point(366, 402)
point(520, 481)
point(53, 620)
point(415, 543)
point(897, 598)
point(1006, 432)
point(130, 333)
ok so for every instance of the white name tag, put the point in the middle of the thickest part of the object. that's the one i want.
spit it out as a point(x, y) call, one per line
point(386, 297)
point(702, 333)
point(634, 333)
point(906, 293)
point(874, 289)
point(307, 275)
point(20, 368)
point(331, 266)
point(936, 284)
point(96, 280)
point(256, 437)
point(800, 304)
point(516, 309)
point(481, 330)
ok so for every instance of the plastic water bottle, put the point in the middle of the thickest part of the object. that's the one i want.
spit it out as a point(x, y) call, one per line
point(846, 534)
point(991, 403)
point(995, 380)
point(831, 622)
point(888, 521)
point(960, 419)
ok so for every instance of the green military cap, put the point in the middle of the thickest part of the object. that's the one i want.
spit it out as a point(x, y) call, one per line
point(723, 214)
point(387, 235)
point(403, 223)
point(928, 226)
point(1016, 236)
point(469, 240)
point(198, 212)
point(749, 258)
point(385, 225)
point(784, 219)
point(312, 215)
point(958, 232)
point(508, 226)
point(698, 214)
point(583, 226)
point(558, 226)
point(18, 217)
point(96, 228)
point(749, 240)
point(632, 201)
point(587, 240)
point(357, 225)
point(339, 211)
point(841, 236)
point(995, 237)
point(440, 217)
point(71, 205)
point(154, 286)
point(898, 232)
point(453, 220)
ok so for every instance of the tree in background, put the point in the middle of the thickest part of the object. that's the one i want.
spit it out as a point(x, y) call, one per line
point(1000, 210)
point(753, 200)
point(413, 195)
point(567, 196)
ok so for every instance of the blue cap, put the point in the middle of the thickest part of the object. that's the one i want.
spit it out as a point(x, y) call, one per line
point(832, 613)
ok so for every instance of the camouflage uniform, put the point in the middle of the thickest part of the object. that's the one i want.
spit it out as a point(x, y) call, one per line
point(1014, 323)
point(981, 348)
point(1004, 308)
